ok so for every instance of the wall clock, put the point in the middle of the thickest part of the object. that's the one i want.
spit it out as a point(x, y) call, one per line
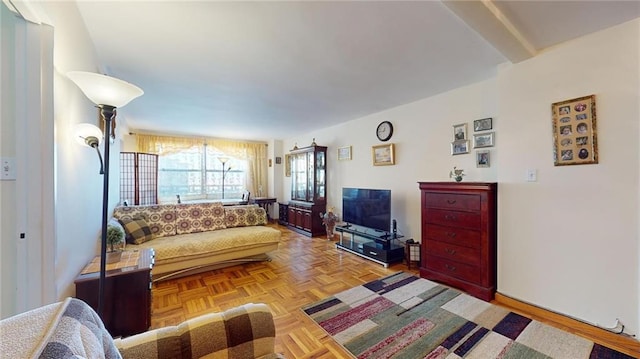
point(384, 131)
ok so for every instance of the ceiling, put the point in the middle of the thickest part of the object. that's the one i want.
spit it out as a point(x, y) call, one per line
point(275, 70)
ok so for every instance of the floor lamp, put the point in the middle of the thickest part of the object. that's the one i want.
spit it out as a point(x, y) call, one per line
point(224, 161)
point(108, 93)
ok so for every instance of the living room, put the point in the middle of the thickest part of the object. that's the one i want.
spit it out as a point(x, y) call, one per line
point(568, 242)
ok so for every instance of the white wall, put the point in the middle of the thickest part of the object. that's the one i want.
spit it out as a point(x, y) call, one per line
point(78, 182)
point(422, 135)
point(568, 242)
point(8, 230)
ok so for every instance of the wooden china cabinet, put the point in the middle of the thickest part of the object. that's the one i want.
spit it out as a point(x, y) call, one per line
point(308, 190)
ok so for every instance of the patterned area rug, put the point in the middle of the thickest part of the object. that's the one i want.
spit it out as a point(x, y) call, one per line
point(403, 316)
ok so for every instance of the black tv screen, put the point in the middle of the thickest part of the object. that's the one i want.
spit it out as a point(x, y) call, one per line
point(367, 207)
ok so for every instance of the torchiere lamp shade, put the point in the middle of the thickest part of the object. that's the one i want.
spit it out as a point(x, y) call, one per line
point(105, 90)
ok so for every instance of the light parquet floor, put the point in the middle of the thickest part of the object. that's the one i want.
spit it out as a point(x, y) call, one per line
point(302, 271)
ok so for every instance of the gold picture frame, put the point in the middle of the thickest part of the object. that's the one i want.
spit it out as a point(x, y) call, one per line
point(344, 153)
point(383, 155)
point(574, 131)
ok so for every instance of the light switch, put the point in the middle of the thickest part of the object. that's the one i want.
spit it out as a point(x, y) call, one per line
point(532, 175)
point(8, 168)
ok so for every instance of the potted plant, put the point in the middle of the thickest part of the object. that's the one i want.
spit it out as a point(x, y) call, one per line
point(115, 241)
point(456, 174)
point(329, 220)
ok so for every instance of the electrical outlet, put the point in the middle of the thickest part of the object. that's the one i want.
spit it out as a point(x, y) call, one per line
point(8, 168)
point(532, 175)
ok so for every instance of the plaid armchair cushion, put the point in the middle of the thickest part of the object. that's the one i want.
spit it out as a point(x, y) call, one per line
point(247, 331)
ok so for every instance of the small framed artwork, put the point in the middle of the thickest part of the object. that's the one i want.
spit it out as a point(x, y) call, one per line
point(344, 153)
point(483, 124)
point(460, 132)
point(483, 158)
point(459, 147)
point(278, 160)
point(383, 155)
point(483, 139)
point(287, 165)
point(574, 131)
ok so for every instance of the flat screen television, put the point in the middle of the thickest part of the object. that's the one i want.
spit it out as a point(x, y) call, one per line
point(367, 207)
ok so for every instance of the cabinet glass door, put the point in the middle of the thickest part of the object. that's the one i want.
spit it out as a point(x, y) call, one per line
point(310, 171)
point(299, 173)
point(320, 175)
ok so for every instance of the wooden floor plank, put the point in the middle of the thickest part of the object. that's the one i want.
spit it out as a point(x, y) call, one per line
point(302, 271)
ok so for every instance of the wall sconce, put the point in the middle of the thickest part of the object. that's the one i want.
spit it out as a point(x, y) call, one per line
point(108, 93)
point(90, 135)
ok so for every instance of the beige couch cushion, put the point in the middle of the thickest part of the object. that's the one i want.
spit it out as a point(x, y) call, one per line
point(183, 246)
point(160, 218)
point(199, 217)
point(241, 216)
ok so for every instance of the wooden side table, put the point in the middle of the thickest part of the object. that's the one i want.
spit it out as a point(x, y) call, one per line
point(127, 292)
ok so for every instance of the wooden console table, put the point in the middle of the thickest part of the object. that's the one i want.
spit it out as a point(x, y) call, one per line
point(264, 202)
point(127, 292)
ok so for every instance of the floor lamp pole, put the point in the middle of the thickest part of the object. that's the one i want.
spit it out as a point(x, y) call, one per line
point(107, 113)
point(223, 174)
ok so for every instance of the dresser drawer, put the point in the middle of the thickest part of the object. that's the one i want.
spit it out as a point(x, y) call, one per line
point(458, 270)
point(453, 218)
point(453, 252)
point(458, 202)
point(454, 235)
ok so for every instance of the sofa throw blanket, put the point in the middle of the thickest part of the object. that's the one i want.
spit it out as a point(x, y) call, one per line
point(78, 332)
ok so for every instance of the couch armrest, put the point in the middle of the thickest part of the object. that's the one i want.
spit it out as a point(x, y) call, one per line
point(247, 331)
point(153, 344)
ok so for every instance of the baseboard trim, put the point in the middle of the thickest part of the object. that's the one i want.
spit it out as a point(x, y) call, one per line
point(621, 343)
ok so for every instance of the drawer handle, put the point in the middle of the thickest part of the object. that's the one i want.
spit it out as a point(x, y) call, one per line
point(451, 201)
point(450, 267)
point(451, 234)
point(450, 251)
point(450, 217)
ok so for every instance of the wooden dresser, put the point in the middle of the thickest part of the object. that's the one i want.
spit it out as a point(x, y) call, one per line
point(459, 225)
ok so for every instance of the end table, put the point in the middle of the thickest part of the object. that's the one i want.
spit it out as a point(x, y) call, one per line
point(127, 291)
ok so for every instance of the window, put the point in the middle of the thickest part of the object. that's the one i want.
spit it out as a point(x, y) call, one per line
point(196, 173)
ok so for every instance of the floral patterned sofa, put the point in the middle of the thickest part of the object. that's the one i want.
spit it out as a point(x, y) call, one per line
point(194, 237)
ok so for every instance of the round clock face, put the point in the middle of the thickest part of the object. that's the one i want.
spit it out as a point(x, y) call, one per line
point(384, 131)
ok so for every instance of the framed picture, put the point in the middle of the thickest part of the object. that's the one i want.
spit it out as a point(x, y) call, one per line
point(483, 124)
point(483, 158)
point(278, 160)
point(383, 155)
point(574, 131)
point(459, 147)
point(287, 165)
point(460, 132)
point(483, 139)
point(344, 153)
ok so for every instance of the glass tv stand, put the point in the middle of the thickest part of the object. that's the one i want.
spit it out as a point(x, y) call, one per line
point(380, 247)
